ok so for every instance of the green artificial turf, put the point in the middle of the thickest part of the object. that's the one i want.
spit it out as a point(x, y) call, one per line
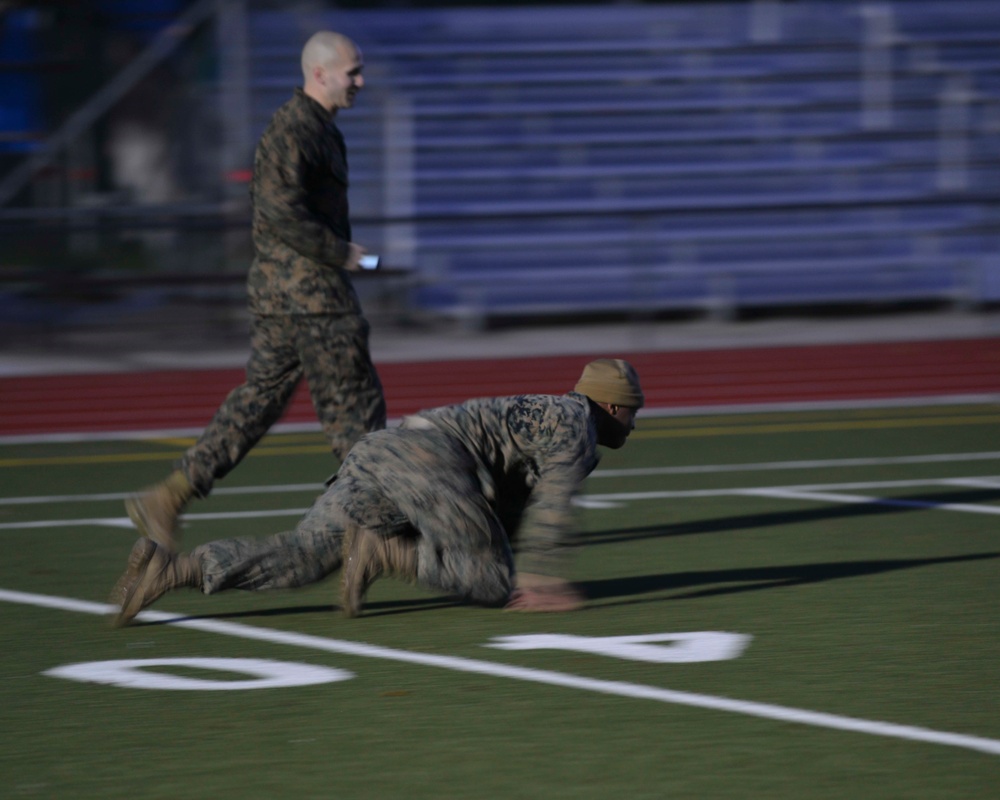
point(881, 611)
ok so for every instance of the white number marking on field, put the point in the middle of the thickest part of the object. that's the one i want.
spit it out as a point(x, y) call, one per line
point(548, 677)
point(586, 502)
point(133, 673)
point(681, 648)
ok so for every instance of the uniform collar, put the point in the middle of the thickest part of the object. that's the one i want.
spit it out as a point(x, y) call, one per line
point(313, 105)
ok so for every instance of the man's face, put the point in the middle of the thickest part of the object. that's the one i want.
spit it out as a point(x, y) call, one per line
point(343, 78)
point(617, 425)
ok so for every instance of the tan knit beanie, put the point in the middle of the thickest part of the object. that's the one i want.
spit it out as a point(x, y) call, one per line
point(611, 380)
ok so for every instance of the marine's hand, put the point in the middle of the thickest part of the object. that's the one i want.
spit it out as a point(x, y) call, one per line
point(354, 254)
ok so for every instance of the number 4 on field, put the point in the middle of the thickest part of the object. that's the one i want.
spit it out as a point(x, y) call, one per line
point(659, 648)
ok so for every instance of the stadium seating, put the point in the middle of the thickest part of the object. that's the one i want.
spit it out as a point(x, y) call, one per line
point(20, 102)
point(639, 158)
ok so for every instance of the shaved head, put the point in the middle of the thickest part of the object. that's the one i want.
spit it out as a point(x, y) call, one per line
point(323, 48)
point(332, 67)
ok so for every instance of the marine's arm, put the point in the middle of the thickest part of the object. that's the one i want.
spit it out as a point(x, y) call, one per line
point(560, 443)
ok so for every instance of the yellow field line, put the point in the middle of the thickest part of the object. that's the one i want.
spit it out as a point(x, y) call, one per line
point(660, 429)
point(129, 458)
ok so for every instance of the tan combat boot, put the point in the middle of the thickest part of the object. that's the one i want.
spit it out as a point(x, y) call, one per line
point(544, 593)
point(367, 556)
point(152, 571)
point(155, 510)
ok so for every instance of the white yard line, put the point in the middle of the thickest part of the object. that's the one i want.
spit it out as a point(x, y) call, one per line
point(824, 493)
point(825, 497)
point(699, 469)
point(631, 690)
point(710, 469)
point(287, 488)
point(821, 493)
point(125, 522)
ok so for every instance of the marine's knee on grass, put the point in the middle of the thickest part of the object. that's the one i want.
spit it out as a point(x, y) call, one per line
point(481, 577)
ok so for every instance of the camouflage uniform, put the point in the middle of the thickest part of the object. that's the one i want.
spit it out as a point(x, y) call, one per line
point(306, 318)
point(465, 480)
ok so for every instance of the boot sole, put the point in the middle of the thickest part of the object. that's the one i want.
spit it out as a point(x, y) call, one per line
point(350, 608)
point(352, 597)
point(124, 590)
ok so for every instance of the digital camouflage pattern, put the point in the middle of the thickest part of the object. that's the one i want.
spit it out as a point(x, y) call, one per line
point(532, 453)
point(283, 561)
point(466, 480)
point(306, 318)
point(301, 228)
point(332, 352)
point(424, 483)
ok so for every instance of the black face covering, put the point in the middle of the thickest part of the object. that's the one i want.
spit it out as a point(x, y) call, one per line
point(610, 431)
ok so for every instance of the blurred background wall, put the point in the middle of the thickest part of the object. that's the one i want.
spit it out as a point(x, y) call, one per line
point(509, 162)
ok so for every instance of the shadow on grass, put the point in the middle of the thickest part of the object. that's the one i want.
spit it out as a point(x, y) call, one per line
point(738, 522)
point(710, 583)
point(705, 583)
point(750, 579)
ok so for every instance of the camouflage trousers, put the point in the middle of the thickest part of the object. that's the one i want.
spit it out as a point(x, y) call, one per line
point(416, 483)
point(331, 352)
point(286, 560)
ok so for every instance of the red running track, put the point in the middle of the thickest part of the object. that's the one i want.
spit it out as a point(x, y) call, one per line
point(186, 399)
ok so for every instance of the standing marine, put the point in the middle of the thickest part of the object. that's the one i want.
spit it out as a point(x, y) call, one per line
point(306, 319)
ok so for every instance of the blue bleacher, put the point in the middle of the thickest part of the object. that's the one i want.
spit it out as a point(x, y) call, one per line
point(21, 123)
point(142, 18)
point(668, 156)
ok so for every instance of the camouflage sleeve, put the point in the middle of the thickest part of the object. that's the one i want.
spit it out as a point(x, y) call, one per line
point(282, 200)
point(558, 439)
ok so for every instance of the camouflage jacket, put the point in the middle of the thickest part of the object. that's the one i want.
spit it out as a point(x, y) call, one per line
point(532, 453)
point(301, 228)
